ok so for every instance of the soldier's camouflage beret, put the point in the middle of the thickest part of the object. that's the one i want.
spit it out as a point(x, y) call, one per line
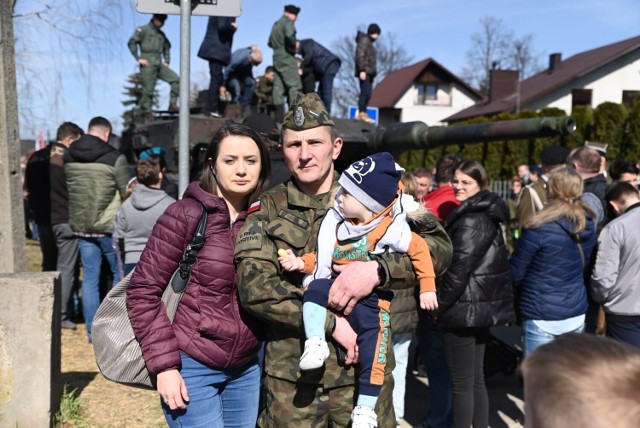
point(306, 112)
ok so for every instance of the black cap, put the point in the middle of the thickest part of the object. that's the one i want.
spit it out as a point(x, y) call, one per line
point(291, 8)
point(160, 16)
point(554, 155)
point(373, 29)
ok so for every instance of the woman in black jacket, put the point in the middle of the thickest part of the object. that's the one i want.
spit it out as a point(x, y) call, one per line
point(476, 292)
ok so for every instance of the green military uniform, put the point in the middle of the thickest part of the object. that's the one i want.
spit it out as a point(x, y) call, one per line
point(528, 204)
point(153, 46)
point(290, 219)
point(283, 42)
point(264, 91)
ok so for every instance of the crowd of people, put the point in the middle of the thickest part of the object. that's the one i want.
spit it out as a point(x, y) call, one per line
point(311, 284)
point(333, 275)
point(299, 66)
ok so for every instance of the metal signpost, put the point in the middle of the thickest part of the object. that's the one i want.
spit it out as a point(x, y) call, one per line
point(186, 8)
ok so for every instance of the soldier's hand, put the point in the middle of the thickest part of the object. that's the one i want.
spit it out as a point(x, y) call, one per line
point(173, 389)
point(143, 62)
point(363, 75)
point(356, 280)
point(346, 337)
point(165, 64)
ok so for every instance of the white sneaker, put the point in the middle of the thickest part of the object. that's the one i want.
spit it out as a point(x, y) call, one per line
point(316, 352)
point(363, 417)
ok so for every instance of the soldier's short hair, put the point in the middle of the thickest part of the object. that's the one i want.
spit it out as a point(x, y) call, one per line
point(269, 69)
point(148, 172)
point(68, 129)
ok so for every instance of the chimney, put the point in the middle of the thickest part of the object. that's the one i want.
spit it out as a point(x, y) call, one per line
point(555, 62)
point(502, 83)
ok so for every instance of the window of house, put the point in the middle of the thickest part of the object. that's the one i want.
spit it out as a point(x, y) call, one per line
point(427, 92)
point(580, 97)
point(630, 97)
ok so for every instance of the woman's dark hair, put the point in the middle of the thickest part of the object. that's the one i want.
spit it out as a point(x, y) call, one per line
point(207, 177)
point(198, 158)
point(475, 170)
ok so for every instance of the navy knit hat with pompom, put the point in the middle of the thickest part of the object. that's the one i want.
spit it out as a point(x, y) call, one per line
point(373, 180)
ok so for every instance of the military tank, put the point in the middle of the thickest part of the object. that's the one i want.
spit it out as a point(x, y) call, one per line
point(360, 139)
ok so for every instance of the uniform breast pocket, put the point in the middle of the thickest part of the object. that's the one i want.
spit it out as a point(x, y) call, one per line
point(289, 228)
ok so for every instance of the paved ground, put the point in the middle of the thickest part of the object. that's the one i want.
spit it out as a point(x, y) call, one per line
point(505, 401)
point(505, 393)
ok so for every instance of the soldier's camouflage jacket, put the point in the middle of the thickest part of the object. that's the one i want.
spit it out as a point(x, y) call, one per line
point(289, 219)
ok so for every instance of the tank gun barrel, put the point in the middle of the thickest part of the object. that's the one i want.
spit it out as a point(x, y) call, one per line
point(417, 135)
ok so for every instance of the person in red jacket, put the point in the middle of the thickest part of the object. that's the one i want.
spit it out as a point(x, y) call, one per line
point(206, 362)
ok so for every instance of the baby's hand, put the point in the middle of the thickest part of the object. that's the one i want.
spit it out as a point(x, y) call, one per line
point(428, 301)
point(288, 261)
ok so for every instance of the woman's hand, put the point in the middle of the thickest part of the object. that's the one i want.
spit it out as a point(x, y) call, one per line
point(172, 389)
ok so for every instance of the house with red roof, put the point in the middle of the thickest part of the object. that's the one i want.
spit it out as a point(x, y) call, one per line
point(609, 73)
point(425, 91)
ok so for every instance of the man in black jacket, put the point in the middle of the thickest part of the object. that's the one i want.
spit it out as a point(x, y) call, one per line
point(216, 48)
point(49, 202)
point(319, 64)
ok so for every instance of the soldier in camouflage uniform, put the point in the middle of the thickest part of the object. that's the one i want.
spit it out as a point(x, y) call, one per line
point(153, 47)
point(283, 42)
point(288, 217)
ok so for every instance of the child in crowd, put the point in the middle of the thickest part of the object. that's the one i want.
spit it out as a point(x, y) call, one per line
point(582, 380)
point(369, 217)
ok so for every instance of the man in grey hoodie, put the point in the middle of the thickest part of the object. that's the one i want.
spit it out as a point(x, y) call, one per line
point(138, 214)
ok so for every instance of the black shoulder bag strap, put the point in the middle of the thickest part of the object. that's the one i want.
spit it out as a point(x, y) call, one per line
point(181, 279)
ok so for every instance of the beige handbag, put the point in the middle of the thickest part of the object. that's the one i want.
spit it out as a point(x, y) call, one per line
point(117, 350)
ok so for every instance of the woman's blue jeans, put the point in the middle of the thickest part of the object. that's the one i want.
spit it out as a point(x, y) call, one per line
point(217, 398)
point(532, 336)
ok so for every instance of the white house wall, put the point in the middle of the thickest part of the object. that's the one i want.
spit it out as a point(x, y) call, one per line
point(606, 84)
point(432, 114)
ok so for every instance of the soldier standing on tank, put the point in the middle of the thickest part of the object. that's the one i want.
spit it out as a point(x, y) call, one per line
point(318, 64)
point(283, 42)
point(151, 48)
point(366, 68)
point(288, 217)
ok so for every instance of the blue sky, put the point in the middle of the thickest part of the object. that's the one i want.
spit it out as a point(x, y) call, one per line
point(426, 28)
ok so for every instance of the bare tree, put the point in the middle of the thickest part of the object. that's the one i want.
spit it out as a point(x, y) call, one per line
point(495, 46)
point(62, 40)
point(523, 58)
point(489, 48)
point(390, 56)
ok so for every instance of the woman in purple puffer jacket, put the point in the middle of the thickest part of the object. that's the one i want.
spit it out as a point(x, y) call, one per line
point(206, 362)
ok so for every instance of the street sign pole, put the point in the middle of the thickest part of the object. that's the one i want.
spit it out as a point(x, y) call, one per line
point(183, 118)
point(187, 8)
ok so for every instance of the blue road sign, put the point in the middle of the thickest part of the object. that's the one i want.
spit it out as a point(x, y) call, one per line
point(371, 111)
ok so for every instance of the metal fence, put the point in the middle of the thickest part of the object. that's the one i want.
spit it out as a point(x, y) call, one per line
point(500, 187)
